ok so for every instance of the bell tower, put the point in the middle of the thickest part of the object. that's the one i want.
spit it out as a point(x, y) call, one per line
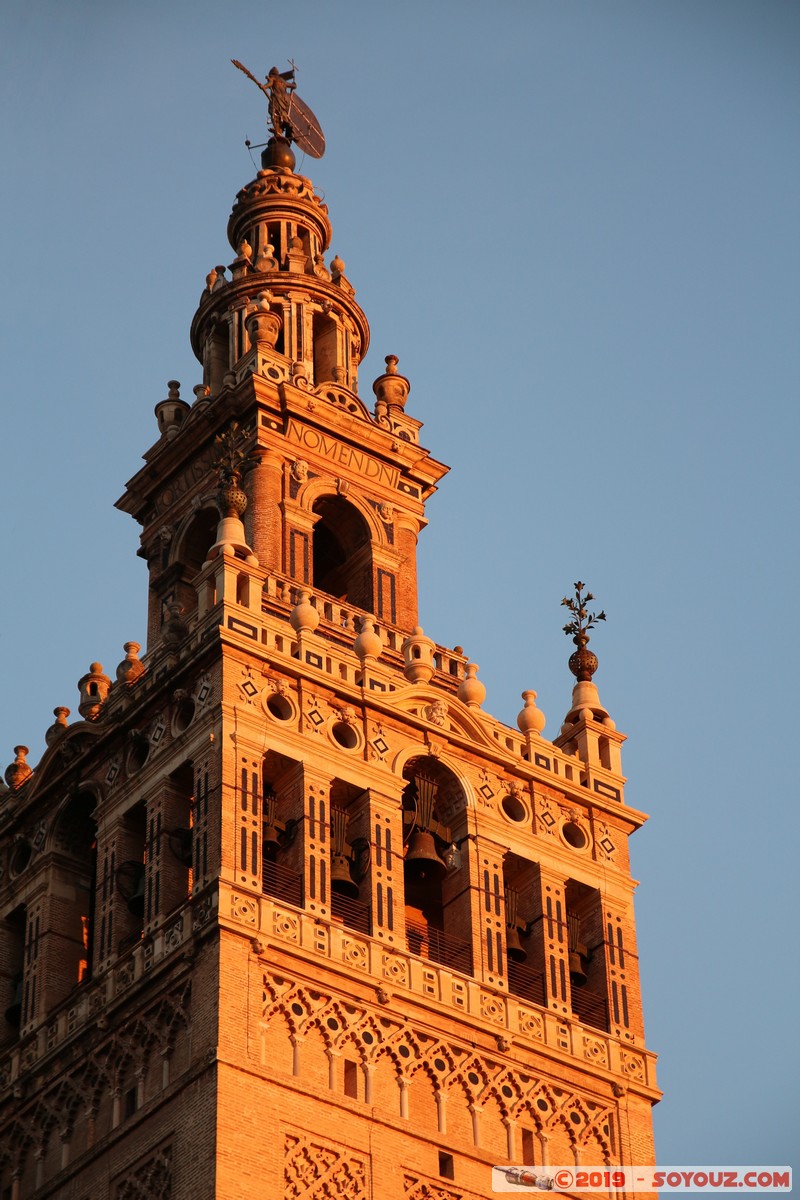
point(286, 911)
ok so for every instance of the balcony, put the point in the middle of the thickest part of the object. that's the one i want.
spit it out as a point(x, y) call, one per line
point(282, 883)
point(352, 913)
point(526, 983)
point(439, 947)
point(590, 1009)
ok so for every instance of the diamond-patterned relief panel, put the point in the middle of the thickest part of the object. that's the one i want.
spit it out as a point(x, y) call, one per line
point(379, 747)
point(605, 844)
point(317, 1170)
point(547, 818)
point(416, 1188)
point(149, 1180)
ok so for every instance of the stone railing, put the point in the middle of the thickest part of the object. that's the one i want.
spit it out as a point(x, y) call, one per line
point(396, 968)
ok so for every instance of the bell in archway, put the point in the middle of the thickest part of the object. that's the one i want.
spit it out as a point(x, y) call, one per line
point(341, 879)
point(577, 974)
point(272, 829)
point(514, 947)
point(135, 901)
point(271, 840)
point(423, 864)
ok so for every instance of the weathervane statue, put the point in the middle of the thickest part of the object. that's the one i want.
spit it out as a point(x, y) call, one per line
point(290, 120)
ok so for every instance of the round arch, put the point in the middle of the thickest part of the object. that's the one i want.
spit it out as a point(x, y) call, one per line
point(341, 552)
point(195, 536)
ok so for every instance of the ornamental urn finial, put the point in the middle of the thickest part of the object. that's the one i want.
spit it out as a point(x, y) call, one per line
point(583, 662)
point(18, 771)
point(130, 669)
point(391, 389)
point(59, 726)
point(171, 413)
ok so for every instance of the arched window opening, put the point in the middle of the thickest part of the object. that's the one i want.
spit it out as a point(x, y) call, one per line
point(131, 877)
point(217, 357)
point(525, 963)
point(350, 856)
point(75, 841)
point(438, 921)
point(604, 748)
point(177, 819)
point(587, 959)
point(281, 845)
point(275, 239)
point(190, 554)
point(13, 970)
point(198, 540)
point(342, 553)
point(280, 341)
point(325, 336)
point(305, 241)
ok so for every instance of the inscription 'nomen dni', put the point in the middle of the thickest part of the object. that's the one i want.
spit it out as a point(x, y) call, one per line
point(338, 452)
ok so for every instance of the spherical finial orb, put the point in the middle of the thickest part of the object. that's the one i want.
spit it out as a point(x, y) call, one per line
point(278, 153)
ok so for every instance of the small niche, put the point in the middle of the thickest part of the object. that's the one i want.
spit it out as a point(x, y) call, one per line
point(20, 858)
point(138, 753)
point(574, 836)
point(513, 808)
point(279, 707)
point(351, 1079)
point(184, 715)
point(345, 735)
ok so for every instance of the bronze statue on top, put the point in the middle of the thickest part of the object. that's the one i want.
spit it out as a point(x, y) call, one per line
point(290, 119)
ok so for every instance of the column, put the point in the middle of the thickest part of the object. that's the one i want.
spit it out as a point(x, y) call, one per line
point(262, 518)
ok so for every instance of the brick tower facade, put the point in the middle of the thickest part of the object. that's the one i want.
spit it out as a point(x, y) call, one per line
point(286, 913)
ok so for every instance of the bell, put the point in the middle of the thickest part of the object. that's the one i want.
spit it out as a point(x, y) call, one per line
point(271, 841)
point(136, 898)
point(514, 947)
point(180, 843)
point(577, 974)
point(272, 830)
point(423, 864)
point(341, 880)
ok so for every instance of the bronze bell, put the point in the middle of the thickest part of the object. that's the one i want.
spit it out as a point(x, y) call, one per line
point(271, 841)
point(422, 862)
point(136, 899)
point(341, 879)
point(514, 947)
point(272, 829)
point(577, 974)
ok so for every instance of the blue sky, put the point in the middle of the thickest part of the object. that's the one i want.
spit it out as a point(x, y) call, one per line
point(576, 224)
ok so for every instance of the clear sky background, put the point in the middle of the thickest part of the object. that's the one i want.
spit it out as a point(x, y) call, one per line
point(576, 223)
